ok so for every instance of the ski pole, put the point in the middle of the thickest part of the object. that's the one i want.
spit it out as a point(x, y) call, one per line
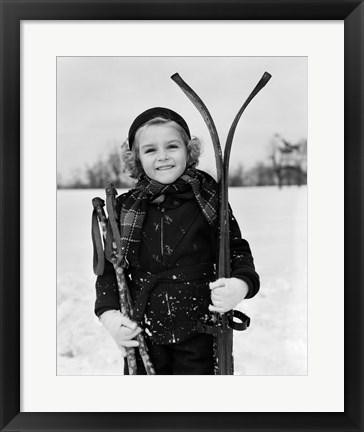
point(124, 296)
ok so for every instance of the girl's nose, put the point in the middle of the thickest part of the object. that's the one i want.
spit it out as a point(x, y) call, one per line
point(162, 155)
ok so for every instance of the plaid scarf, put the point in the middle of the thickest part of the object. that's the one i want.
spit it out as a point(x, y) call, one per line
point(134, 208)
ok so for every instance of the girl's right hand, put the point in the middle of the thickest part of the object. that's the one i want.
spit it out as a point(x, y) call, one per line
point(121, 328)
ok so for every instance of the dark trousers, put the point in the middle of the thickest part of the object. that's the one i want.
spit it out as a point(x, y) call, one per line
point(193, 356)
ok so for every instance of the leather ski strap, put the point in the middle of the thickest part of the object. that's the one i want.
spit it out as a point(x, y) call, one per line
point(99, 257)
point(212, 328)
point(239, 326)
point(113, 234)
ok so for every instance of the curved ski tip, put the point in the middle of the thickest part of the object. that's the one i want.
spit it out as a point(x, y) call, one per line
point(266, 76)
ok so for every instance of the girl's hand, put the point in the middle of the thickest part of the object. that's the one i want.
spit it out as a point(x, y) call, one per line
point(226, 294)
point(121, 328)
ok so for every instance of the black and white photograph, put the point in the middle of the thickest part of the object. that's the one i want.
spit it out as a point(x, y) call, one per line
point(182, 215)
point(181, 195)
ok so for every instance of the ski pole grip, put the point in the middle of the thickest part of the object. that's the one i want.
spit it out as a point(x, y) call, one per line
point(98, 202)
point(239, 326)
point(110, 189)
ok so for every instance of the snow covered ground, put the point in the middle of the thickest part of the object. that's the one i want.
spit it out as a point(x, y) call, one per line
point(275, 224)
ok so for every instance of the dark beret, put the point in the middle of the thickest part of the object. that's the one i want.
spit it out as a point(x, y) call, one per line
point(153, 113)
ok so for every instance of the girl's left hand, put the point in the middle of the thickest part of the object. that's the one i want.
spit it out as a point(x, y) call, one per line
point(226, 294)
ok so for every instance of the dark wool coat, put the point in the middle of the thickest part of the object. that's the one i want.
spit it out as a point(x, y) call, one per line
point(178, 244)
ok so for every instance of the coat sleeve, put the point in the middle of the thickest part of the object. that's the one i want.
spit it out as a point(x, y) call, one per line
point(107, 293)
point(242, 262)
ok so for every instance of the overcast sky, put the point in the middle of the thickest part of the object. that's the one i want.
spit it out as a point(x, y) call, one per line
point(99, 97)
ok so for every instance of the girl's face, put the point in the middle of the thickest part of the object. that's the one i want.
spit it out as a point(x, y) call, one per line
point(162, 152)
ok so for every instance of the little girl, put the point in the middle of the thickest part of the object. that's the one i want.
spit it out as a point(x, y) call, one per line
point(168, 227)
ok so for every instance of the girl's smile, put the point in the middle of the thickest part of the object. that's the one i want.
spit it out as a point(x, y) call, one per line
point(162, 152)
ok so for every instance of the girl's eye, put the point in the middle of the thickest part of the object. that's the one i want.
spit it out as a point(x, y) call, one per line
point(172, 146)
point(150, 150)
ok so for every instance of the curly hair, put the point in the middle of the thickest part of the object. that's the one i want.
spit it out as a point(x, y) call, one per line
point(130, 159)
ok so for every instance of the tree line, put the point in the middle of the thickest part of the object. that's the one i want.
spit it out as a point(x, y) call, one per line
point(286, 164)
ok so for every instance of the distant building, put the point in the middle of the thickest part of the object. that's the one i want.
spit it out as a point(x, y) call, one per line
point(289, 161)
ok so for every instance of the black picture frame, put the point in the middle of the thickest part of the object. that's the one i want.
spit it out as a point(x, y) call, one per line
point(12, 12)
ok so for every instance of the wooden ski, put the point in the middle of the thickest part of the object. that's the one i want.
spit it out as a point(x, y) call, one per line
point(224, 323)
